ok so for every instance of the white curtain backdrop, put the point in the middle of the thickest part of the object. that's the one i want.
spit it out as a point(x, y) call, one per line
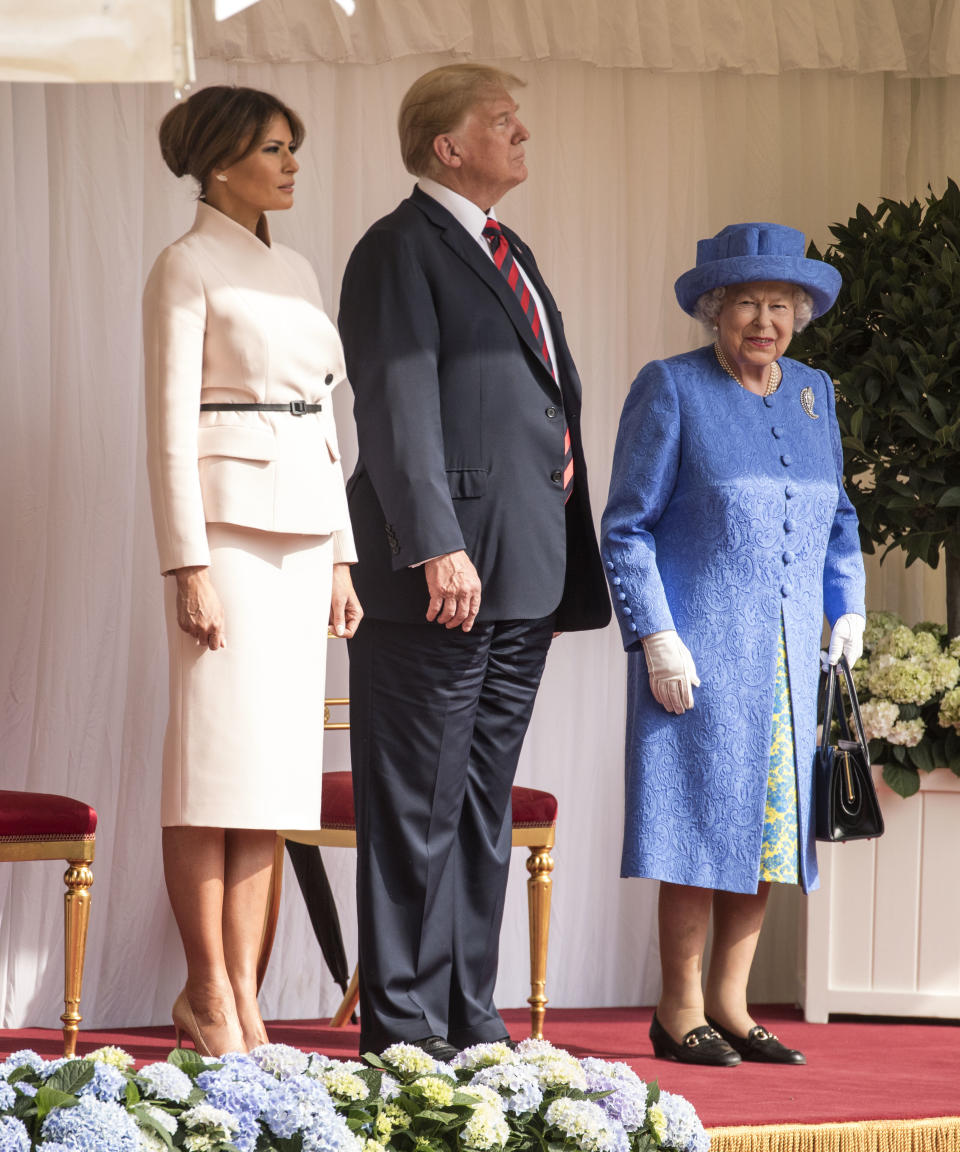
point(629, 166)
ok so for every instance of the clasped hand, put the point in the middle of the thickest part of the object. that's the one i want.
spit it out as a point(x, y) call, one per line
point(672, 672)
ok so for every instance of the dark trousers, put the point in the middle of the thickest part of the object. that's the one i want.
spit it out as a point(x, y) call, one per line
point(437, 720)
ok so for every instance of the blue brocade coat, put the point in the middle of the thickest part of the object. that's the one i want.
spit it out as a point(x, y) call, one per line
point(726, 509)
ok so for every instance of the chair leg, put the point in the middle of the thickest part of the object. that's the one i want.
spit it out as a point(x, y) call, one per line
point(76, 916)
point(349, 1002)
point(272, 912)
point(539, 886)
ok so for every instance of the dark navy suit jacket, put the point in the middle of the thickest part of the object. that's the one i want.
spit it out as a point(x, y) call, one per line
point(460, 428)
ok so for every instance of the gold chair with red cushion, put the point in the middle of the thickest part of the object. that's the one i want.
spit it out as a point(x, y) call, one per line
point(40, 826)
point(534, 827)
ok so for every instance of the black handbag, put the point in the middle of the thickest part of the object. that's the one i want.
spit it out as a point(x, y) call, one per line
point(846, 805)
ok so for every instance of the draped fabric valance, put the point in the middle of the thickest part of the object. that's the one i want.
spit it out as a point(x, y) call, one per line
point(765, 37)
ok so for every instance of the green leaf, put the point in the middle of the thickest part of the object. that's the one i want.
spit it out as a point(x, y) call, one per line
point(190, 1062)
point(904, 781)
point(143, 1117)
point(72, 1076)
point(920, 756)
point(48, 1098)
point(132, 1094)
point(950, 499)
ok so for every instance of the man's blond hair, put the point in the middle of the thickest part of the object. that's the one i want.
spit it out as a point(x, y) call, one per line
point(438, 103)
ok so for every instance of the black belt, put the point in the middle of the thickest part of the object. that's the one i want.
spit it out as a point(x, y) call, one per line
point(295, 408)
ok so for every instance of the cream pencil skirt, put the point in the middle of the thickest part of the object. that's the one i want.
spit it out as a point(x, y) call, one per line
point(244, 740)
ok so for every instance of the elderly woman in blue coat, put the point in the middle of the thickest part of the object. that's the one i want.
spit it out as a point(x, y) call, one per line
point(726, 538)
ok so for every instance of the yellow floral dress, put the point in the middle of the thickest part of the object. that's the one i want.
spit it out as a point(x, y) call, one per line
point(779, 852)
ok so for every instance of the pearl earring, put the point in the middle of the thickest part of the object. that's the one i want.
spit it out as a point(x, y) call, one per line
point(220, 176)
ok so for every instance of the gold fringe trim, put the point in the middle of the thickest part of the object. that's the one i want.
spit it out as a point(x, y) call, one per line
point(938, 1135)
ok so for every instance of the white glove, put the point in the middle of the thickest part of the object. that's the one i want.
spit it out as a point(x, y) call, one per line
point(671, 669)
point(846, 639)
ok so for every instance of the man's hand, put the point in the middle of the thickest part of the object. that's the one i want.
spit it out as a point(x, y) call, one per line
point(454, 588)
point(199, 611)
point(345, 610)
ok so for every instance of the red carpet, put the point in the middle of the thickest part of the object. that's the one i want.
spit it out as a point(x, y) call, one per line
point(856, 1070)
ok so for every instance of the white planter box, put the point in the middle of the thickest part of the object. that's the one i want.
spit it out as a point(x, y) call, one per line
point(883, 932)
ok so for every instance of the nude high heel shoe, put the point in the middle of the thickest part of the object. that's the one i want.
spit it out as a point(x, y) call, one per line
point(185, 1021)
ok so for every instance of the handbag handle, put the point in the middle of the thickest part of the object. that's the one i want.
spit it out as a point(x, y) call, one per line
point(832, 704)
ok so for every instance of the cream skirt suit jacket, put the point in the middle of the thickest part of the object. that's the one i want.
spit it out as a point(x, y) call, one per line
point(258, 496)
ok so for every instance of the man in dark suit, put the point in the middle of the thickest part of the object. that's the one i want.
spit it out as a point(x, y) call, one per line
point(472, 520)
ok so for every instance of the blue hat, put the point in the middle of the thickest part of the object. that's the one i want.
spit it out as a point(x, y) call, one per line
point(745, 253)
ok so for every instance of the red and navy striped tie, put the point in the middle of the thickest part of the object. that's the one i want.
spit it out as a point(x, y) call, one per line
point(503, 258)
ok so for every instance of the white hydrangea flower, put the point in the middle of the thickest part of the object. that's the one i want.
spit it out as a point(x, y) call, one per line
point(436, 1090)
point(112, 1055)
point(878, 716)
point(944, 671)
point(907, 733)
point(485, 1095)
point(409, 1059)
point(950, 709)
point(485, 1056)
point(344, 1084)
point(486, 1128)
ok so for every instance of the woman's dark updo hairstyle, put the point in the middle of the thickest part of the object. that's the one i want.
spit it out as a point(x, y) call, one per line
point(218, 126)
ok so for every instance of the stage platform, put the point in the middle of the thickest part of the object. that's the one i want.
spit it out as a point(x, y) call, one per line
point(868, 1086)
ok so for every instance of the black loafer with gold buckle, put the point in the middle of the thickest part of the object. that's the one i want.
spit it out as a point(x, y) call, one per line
point(701, 1045)
point(760, 1046)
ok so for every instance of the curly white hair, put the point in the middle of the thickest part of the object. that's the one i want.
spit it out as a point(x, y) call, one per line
point(707, 307)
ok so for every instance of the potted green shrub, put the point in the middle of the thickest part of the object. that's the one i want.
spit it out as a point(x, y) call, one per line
point(892, 345)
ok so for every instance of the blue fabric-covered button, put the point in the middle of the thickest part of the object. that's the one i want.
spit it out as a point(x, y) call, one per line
point(790, 491)
point(786, 460)
point(768, 400)
point(631, 626)
point(628, 611)
point(777, 431)
point(788, 525)
point(788, 557)
point(621, 595)
point(785, 590)
point(615, 580)
point(610, 565)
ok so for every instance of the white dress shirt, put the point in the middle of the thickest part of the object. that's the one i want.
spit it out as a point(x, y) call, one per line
point(474, 219)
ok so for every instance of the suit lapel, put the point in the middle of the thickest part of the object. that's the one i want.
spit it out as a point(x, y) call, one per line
point(456, 237)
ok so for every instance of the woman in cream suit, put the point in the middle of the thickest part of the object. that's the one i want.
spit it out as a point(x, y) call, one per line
point(254, 539)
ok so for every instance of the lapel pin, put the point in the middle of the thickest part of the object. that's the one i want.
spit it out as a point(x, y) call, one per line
point(806, 403)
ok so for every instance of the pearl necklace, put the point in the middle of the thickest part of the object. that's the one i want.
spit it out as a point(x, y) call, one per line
point(773, 382)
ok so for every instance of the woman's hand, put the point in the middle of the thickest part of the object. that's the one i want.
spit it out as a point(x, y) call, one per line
point(199, 611)
point(846, 638)
point(345, 610)
point(672, 672)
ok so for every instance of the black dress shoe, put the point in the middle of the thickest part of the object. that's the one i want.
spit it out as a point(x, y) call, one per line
point(760, 1046)
point(699, 1046)
point(436, 1047)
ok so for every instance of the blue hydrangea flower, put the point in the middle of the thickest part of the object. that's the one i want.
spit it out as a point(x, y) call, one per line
point(517, 1083)
point(7, 1095)
point(13, 1135)
point(294, 1103)
point(626, 1098)
point(93, 1124)
point(107, 1083)
point(240, 1088)
point(165, 1081)
point(683, 1131)
point(23, 1057)
point(587, 1126)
